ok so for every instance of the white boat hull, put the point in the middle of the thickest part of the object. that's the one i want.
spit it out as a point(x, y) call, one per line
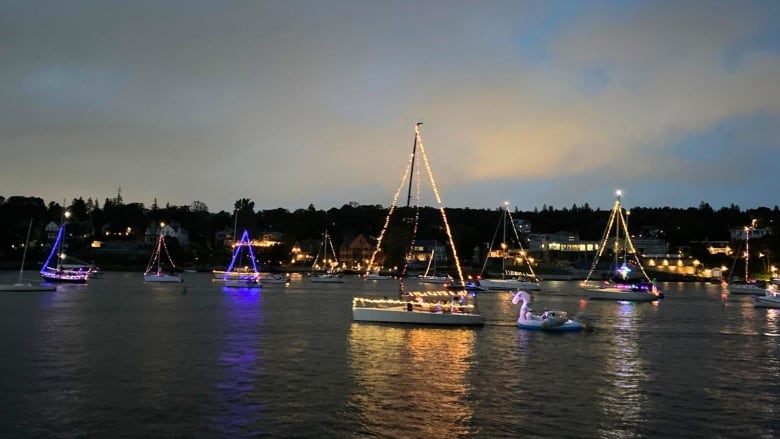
point(64, 277)
point(436, 280)
point(620, 294)
point(241, 284)
point(327, 280)
point(401, 315)
point(377, 277)
point(771, 299)
point(170, 278)
point(273, 280)
point(27, 287)
point(745, 289)
point(233, 275)
point(508, 285)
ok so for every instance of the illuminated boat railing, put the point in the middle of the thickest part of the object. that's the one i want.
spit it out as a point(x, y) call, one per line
point(235, 275)
point(64, 273)
point(639, 286)
point(428, 301)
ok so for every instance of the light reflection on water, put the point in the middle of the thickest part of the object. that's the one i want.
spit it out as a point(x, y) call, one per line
point(239, 362)
point(624, 395)
point(411, 382)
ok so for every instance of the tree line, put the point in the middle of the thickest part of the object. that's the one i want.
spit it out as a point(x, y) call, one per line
point(471, 228)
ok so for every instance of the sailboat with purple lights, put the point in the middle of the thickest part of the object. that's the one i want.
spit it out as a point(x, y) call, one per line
point(242, 271)
point(53, 269)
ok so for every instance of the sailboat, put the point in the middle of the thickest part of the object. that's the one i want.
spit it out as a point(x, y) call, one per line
point(746, 286)
point(331, 275)
point(451, 306)
point(58, 272)
point(620, 285)
point(430, 276)
point(155, 270)
point(238, 274)
point(508, 281)
point(20, 284)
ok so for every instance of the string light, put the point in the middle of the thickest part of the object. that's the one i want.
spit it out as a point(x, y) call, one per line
point(393, 205)
point(441, 209)
point(517, 237)
point(55, 249)
point(245, 242)
point(46, 270)
point(616, 216)
point(415, 298)
point(418, 186)
point(157, 255)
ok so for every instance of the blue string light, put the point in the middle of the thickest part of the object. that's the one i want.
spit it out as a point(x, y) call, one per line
point(54, 250)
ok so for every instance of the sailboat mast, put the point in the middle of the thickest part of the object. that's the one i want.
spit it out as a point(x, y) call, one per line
point(63, 216)
point(235, 220)
point(503, 243)
point(747, 251)
point(24, 254)
point(617, 228)
point(159, 250)
point(411, 171)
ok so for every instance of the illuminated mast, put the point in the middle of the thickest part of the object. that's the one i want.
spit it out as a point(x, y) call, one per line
point(748, 229)
point(411, 170)
point(619, 211)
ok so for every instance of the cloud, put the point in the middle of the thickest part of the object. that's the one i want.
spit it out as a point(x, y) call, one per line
point(294, 103)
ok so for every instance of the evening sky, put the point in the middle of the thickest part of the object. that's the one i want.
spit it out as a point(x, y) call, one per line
point(292, 103)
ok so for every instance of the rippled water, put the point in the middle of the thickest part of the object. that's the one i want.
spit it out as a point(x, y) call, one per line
point(120, 358)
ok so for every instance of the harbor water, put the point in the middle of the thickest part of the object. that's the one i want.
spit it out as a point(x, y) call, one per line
point(121, 358)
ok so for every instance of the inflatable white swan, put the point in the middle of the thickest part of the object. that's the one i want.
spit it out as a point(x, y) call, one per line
point(550, 320)
point(525, 309)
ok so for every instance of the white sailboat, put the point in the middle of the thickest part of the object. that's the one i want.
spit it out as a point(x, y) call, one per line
point(242, 271)
point(431, 276)
point(508, 281)
point(329, 262)
point(746, 285)
point(20, 284)
point(452, 307)
point(155, 270)
point(620, 285)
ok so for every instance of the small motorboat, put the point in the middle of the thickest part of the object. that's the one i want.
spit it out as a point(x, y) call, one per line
point(770, 299)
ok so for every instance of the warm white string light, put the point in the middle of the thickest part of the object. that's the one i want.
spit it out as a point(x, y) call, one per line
point(517, 237)
point(616, 216)
point(441, 209)
point(393, 205)
point(418, 185)
point(604, 239)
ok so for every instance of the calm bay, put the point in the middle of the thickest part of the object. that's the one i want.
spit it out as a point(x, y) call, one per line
point(121, 358)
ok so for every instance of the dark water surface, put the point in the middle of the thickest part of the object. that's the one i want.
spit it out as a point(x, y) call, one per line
point(120, 358)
